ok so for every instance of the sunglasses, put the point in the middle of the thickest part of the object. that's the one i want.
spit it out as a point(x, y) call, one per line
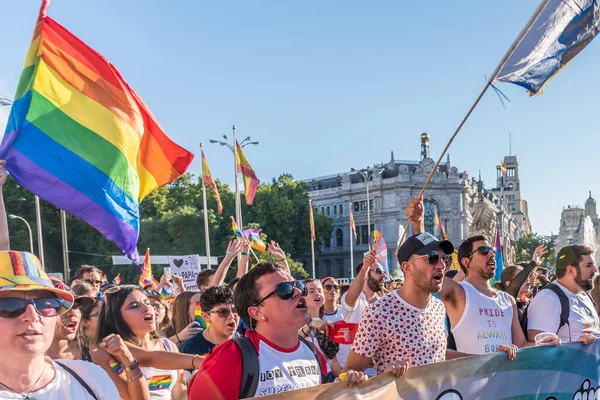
point(330, 287)
point(14, 307)
point(434, 257)
point(224, 312)
point(483, 250)
point(378, 271)
point(285, 291)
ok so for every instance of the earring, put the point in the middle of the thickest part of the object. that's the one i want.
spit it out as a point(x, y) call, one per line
point(262, 319)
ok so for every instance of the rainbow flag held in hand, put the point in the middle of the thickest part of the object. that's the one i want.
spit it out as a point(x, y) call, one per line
point(117, 280)
point(81, 139)
point(379, 246)
point(253, 236)
point(104, 280)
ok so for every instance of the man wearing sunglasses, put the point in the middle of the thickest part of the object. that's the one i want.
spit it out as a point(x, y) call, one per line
point(363, 291)
point(272, 304)
point(90, 274)
point(220, 313)
point(482, 319)
point(406, 326)
point(29, 307)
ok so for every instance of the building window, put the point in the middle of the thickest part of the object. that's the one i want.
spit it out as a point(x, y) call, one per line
point(364, 235)
point(341, 209)
point(335, 209)
point(339, 238)
point(340, 268)
point(430, 209)
point(327, 264)
point(363, 205)
point(323, 210)
point(356, 206)
point(327, 210)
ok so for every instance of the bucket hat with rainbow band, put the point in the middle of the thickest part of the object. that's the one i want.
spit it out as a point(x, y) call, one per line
point(22, 271)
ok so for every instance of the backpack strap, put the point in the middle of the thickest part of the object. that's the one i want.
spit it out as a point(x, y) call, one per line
point(317, 358)
point(78, 378)
point(250, 367)
point(565, 306)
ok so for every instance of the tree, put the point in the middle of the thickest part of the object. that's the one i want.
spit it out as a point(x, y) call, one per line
point(527, 244)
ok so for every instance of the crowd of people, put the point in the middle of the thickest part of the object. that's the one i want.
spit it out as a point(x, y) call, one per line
point(267, 333)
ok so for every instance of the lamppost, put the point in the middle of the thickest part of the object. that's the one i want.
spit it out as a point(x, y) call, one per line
point(12, 216)
point(230, 144)
point(367, 174)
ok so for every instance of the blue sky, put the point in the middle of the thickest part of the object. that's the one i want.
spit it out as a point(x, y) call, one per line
point(329, 85)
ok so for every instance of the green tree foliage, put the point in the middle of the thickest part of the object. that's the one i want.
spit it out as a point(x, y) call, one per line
point(172, 222)
point(527, 244)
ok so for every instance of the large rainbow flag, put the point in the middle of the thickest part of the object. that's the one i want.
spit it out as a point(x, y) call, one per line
point(80, 138)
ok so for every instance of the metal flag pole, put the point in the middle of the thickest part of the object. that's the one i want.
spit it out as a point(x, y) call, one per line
point(487, 86)
point(312, 244)
point(206, 233)
point(65, 244)
point(238, 204)
point(38, 218)
point(352, 238)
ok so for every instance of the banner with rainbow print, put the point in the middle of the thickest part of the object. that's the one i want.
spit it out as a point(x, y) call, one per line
point(571, 371)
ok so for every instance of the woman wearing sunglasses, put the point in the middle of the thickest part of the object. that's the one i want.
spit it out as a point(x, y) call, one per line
point(128, 314)
point(28, 318)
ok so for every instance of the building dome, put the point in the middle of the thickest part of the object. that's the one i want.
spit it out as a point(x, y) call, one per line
point(424, 136)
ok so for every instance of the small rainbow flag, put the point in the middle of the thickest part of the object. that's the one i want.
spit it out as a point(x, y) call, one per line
point(236, 229)
point(164, 293)
point(158, 382)
point(253, 236)
point(117, 280)
point(198, 316)
point(104, 280)
point(146, 277)
point(81, 139)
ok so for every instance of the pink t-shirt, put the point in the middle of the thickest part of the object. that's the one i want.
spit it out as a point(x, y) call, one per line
point(391, 330)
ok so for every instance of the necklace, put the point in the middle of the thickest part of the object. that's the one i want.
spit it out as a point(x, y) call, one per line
point(28, 397)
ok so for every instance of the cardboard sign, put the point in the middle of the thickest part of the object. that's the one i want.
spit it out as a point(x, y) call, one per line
point(187, 267)
point(343, 332)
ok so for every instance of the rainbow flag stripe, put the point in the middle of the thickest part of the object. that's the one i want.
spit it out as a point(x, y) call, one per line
point(114, 364)
point(159, 382)
point(198, 316)
point(81, 139)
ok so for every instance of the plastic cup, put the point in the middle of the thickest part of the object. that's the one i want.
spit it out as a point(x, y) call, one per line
point(546, 339)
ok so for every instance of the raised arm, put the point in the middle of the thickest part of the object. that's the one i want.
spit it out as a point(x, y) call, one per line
point(244, 262)
point(4, 237)
point(279, 254)
point(357, 286)
point(233, 249)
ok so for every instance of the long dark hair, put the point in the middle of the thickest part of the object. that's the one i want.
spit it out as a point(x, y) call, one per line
point(180, 317)
point(110, 319)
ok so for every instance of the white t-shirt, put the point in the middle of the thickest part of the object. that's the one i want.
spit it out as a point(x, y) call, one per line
point(352, 315)
point(486, 322)
point(336, 316)
point(543, 314)
point(65, 386)
point(392, 330)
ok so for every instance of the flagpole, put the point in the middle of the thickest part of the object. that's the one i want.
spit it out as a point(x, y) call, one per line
point(351, 247)
point(38, 218)
point(312, 244)
point(238, 204)
point(514, 45)
point(65, 244)
point(206, 233)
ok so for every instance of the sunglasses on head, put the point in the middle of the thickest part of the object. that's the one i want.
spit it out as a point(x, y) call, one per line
point(46, 307)
point(434, 257)
point(223, 312)
point(330, 287)
point(483, 250)
point(285, 291)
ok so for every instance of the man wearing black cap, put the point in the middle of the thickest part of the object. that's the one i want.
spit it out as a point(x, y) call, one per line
point(407, 325)
point(575, 271)
point(483, 320)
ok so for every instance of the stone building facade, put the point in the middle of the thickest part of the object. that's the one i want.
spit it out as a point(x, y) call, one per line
point(573, 225)
point(463, 203)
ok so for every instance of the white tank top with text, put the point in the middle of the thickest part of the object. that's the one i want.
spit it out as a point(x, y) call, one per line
point(486, 322)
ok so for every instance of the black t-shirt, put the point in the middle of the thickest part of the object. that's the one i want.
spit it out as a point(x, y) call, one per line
point(196, 345)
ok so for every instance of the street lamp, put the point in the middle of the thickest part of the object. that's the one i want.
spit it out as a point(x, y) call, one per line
point(367, 174)
point(230, 144)
point(12, 216)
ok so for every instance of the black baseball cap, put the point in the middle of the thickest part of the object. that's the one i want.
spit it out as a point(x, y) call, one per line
point(422, 244)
